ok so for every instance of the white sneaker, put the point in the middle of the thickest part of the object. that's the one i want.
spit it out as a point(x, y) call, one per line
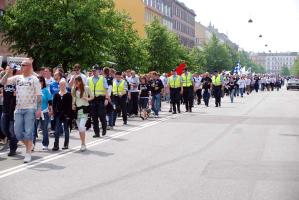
point(27, 158)
point(45, 148)
point(83, 147)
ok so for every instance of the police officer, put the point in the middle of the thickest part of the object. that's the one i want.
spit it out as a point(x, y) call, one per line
point(175, 87)
point(187, 82)
point(98, 86)
point(217, 88)
point(119, 97)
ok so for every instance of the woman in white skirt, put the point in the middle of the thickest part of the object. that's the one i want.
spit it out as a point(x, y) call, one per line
point(81, 96)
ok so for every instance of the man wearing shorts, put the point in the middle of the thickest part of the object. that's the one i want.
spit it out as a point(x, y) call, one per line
point(28, 104)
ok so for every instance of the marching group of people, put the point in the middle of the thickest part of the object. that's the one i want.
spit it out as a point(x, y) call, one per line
point(50, 101)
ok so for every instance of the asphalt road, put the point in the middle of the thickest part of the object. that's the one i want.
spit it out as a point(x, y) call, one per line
point(248, 150)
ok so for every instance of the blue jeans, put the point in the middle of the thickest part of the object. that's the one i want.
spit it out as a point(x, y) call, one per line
point(44, 127)
point(143, 103)
point(24, 124)
point(242, 91)
point(232, 95)
point(7, 126)
point(156, 103)
point(206, 97)
point(236, 92)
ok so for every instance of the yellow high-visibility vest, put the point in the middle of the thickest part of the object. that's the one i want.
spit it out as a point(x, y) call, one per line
point(187, 80)
point(216, 80)
point(98, 89)
point(174, 83)
point(118, 89)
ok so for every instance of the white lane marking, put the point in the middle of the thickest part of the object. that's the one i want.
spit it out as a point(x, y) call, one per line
point(22, 167)
point(5, 152)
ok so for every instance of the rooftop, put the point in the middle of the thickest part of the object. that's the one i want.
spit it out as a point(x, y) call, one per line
point(185, 7)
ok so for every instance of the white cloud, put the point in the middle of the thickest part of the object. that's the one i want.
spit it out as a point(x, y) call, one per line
point(276, 20)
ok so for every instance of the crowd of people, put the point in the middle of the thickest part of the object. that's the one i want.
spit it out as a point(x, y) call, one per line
point(51, 101)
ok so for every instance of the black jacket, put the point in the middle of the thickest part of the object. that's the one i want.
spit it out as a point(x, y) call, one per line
point(62, 105)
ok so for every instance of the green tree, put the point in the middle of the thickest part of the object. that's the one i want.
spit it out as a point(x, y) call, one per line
point(285, 71)
point(217, 55)
point(127, 49)
point(164, 49)
point(66, 31)
point(197, 60)
point(295, 68)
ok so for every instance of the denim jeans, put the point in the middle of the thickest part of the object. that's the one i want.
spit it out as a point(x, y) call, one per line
point(7, 127)
point(232, 95)
point(206, 97)
point(143, 103)
point(237, 91)
point(44, 127)
point(156, 103)
point(242, 91)
point(24, 124)
point(59, 120)
point(110, 118)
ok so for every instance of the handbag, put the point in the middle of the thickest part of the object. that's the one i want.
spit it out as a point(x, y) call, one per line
point(86, 109)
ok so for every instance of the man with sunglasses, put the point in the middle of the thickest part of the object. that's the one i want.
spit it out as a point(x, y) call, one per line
point(77, 72)
point(28, 104)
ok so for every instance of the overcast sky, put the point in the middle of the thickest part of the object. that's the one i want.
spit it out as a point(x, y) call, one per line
point(276, 20)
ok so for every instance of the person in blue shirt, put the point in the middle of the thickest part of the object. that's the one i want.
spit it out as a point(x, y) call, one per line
point(46, 112)
point(54, 87)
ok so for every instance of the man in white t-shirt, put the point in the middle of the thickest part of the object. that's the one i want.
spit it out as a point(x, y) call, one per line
point(242, 85)
point(248, 84)
point(28, 104)
point(77, 72)
point(198, 87)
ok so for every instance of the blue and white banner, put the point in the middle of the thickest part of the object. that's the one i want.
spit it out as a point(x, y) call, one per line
point(237, 68)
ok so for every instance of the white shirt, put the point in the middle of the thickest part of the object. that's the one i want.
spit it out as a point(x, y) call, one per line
point(164, 80)
point(247, 81)
point(27, 89)
point(49, 81)
point(241, 83)
point(84, 78)
point(197, 82)
point(133, 80)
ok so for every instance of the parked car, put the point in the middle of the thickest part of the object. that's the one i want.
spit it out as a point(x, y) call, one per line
point(293, 84)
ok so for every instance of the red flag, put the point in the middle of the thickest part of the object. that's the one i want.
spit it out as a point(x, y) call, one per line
point(180, 68)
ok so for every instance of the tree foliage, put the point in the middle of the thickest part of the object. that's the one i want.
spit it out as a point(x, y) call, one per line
point(163, 48)
point(285, 71)
point(295, 68)
point(127, 48)
point(217, 55)
point(92, 31)
point(66, 31)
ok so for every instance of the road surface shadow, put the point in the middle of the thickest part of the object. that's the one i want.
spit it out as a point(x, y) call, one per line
point(1, 159)
point(47, 167)
point(97, 153)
